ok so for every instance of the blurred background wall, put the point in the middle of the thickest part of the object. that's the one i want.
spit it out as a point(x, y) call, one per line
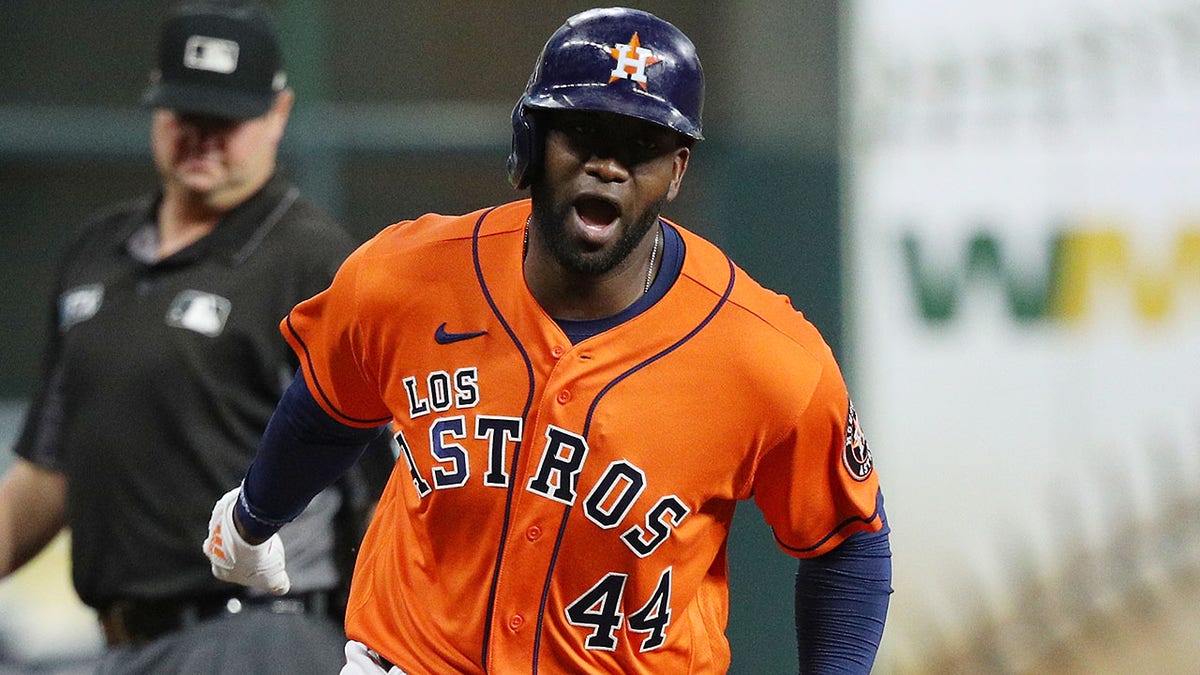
point(1022, 285)
point(987, 211)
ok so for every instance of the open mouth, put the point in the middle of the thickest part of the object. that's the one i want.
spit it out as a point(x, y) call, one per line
point(596, 212)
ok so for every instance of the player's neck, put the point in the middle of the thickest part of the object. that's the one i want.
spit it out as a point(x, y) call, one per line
point(182, 222)
point(577, 296)
point(582, 301)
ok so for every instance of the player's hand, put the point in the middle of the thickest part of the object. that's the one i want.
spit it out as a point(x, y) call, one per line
point(233, 559)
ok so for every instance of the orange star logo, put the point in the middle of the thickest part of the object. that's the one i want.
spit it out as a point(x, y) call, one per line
point(632, 60)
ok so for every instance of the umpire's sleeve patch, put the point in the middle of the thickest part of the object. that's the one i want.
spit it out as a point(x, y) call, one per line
point(856, 456)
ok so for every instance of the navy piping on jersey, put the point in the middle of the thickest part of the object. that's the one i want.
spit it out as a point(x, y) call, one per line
point(316, 384)
point(577, 331)
point(840, 526)
point(537, 639)
point(672, 264)
point(508, 496)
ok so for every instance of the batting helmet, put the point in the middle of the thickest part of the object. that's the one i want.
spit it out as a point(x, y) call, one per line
point(617, 60)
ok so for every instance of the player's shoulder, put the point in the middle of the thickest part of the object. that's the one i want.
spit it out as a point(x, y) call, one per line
point(105, 226)
point(117, 213)
point(433, 252)
point(305, 215)
point(767, 346)
point(775, 310)
point(302, 219)
point(760, 313)
point(432, 233)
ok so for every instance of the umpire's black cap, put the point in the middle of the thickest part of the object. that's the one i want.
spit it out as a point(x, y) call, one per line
point(217, 58)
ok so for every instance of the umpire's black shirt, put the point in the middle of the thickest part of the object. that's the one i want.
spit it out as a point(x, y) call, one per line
point(159, 379)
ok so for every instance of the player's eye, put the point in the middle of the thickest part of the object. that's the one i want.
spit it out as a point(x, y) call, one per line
point(646, 146)
point(581, 131)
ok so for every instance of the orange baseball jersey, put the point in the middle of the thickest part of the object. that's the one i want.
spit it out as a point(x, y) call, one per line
point(565, 508)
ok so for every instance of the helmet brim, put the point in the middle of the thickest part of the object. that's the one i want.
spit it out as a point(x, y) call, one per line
point(619, 100)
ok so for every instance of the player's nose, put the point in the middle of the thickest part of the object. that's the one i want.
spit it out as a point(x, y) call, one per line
point(607, 167)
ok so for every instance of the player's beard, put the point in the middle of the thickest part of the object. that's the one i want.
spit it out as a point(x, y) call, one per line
point(550, 217)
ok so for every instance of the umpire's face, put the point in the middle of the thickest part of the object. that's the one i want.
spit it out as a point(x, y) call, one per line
point(603, 181)
point(216, 161)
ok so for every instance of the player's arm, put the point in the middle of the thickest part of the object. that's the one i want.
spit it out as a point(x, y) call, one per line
point(842, 602)
point(33, 506)
point(302, 452)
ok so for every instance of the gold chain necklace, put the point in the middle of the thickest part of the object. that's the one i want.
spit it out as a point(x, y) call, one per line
point(653, 255)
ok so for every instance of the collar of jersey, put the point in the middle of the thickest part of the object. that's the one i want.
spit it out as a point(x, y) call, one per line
point(232, 233)
point(672, 264)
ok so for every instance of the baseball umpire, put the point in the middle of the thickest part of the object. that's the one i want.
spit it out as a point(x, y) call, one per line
point(163, 367)
point(582, 391)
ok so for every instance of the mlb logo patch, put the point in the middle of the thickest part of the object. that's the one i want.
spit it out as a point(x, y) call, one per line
point(204, 313)
point(79, 304)
point(212, 54)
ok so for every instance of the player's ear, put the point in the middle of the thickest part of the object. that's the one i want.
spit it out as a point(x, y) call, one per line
point(282, 106)
point(678, 168)
point(281, 109)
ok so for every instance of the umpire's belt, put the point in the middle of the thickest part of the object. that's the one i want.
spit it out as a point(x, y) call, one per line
point(134, 621)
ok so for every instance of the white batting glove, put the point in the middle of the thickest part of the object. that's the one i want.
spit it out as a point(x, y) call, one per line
point(258, 566)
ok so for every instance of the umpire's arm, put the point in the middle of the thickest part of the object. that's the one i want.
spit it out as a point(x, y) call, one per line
point(33, 507)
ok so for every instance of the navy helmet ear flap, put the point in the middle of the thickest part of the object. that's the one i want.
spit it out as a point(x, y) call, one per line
point(525, 157)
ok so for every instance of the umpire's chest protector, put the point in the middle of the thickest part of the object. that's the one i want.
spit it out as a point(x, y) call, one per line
point(558, 506)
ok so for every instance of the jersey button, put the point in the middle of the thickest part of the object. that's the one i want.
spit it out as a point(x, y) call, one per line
point(516, 621)
point(557, 351)
point(564, 396)
point(533, 533)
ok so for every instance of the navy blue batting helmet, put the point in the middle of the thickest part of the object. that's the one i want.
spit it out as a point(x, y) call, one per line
point(617, 60)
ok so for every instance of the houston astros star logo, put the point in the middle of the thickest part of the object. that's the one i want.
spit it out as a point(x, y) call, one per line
point(632, 60)
point(857, 454)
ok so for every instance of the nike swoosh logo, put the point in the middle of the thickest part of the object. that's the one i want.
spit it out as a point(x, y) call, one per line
point(444, 337)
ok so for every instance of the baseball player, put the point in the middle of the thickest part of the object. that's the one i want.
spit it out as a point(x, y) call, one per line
point(582, 391)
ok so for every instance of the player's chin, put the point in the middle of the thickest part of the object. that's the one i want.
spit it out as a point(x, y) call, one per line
point(593, 261)
point(592, 234)
point(202, 180)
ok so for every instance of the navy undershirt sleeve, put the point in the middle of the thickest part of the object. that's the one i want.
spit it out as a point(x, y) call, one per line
point(303, 451)
point(842, 602)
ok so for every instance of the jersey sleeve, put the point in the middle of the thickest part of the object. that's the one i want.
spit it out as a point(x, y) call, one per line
point(40, 439)
point(818, 485)
point(326, 332)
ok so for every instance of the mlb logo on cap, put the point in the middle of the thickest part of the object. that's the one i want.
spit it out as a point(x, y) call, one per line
point(217, 58)
point(209, 53)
